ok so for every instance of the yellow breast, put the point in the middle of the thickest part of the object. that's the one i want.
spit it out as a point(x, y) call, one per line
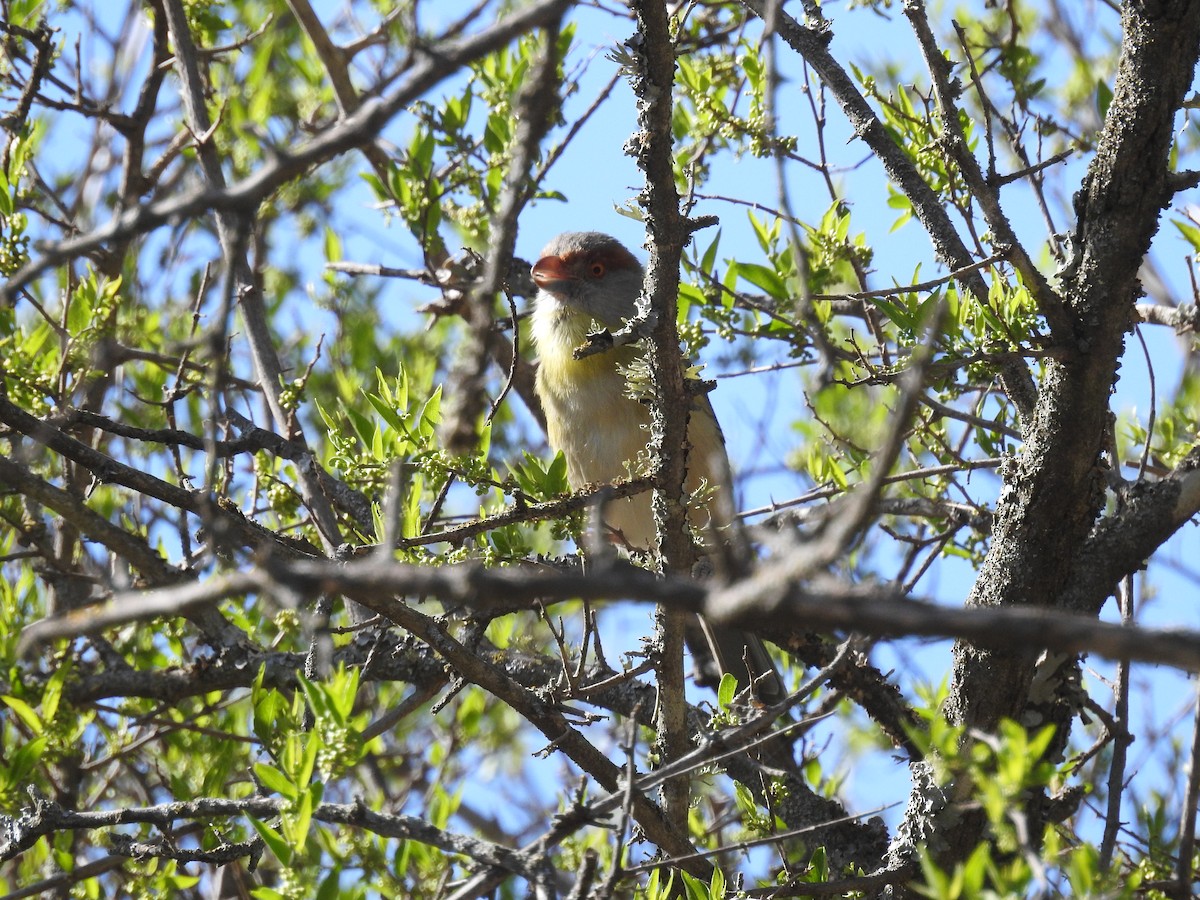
point(601, 430)
point(588, 415)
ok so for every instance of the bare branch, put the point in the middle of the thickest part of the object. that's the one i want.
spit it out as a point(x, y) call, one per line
point(1184, 318)
point(1050, 303)
point(822, 605)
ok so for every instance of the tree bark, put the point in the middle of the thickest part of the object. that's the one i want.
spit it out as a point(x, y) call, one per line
point(1054, 489)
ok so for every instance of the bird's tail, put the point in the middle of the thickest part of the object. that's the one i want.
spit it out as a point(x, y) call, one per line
point(719, 650)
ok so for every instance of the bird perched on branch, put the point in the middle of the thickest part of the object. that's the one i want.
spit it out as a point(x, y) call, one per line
point(584, 279)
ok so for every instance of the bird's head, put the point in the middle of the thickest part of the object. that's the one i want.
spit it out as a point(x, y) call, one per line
point(591, 273)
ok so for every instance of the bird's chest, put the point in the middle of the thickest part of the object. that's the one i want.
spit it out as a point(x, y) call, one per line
point(591, 419)
point(589, 415)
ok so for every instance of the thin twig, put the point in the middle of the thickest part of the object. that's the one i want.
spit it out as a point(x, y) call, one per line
point(1120, 740)
point(1187, 828)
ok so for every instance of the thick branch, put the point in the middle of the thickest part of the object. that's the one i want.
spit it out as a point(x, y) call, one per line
point(1055, 488)
point(1119, 546)
point(821, 606)
point(653, 82)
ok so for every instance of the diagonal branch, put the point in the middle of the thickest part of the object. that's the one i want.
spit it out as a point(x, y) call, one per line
point(543, 715)
point(1048, 300)
point(949, 247)
point(132, 548)
point(108, 470)
point(1120, 545)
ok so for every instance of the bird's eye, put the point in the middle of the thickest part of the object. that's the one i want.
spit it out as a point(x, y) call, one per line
point(597, 269)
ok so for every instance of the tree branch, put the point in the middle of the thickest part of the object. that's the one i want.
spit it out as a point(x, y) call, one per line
point(823, 605)
point(1120, 545)
point(107, 470)
point(949, 247)
point(982, 192)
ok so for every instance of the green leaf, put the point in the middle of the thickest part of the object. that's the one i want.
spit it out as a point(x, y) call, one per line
point(927, 306)
point(331, 887)
point(333, 245)
point(420, 154)
point(341, 700)
point(693, 888)
point(762, 277)
point(937, 882)
point(308, 761)
point(82, 304)
point(25, 712)
point(974, 871)
point(710, 255)
point(363, 427)
point(274, 780)
point(387, 413)
point(1104, 97)
point(689, 296)
point(716, 885)
point(25, 13)
point(727, 690)
point(53, 692)
point(894, 312)
point(558, 473)
point(22, 763)
point(375, 183)
point(431, 413)
point(765, 238)
point(274, 841)
point(301, 818)
point(1190, 233)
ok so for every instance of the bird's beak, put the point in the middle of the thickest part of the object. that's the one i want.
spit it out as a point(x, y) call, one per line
point(551, 272)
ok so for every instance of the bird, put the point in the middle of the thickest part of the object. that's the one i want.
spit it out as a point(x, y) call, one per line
point(587, 279)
